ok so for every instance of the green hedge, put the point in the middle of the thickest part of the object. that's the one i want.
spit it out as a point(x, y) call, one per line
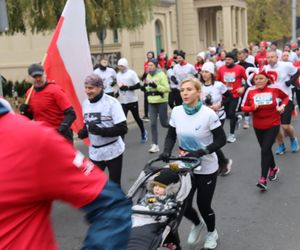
point(19, 87)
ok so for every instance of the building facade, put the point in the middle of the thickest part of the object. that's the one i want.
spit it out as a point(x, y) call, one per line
point(190, 25)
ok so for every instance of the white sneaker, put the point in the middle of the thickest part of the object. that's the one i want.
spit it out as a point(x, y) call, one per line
point(194, 235)
point(231, 138)
point(211, 240)
point(154, 148)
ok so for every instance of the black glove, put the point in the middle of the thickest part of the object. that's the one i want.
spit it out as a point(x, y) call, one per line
point(24, 108)
point(174, 80)
point(143, 88)
point(153, 85)
point(288, 83)
point(94, 129)
point(113, 83)
point(117, 94)
point(198, 153)
point(124, 88)
point(62, 129)
point(164, 156)
point(83, 133)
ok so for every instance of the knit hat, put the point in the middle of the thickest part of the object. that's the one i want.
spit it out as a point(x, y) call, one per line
point(154, 61)
point(202, 55)
point(94, 80)
point(214, 49)
point(166, 177)
point(35, 70)
point(123, 62)
point(181, 53)
point(230, 55)
point(208, 66)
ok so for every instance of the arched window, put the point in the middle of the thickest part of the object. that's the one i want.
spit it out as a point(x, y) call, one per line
point(158, 36)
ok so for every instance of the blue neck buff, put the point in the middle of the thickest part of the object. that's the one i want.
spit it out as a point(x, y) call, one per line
point(192, 110)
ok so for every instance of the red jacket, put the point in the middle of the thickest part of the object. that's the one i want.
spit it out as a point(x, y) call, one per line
point(266, 115)
point(261, 59)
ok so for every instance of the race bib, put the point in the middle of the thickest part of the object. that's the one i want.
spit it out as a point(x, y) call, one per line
point(263, 99)
point(229, 77)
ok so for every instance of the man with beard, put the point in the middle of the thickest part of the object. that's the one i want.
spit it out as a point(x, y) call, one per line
point(48, 103)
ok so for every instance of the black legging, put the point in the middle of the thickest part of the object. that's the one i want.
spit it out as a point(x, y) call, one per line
point(222, 160)
point(114, 168)
point(134, 108)
point(266, 139)
point(205, 186)
point(146, 104)
point(174, 98)
point(231, 113)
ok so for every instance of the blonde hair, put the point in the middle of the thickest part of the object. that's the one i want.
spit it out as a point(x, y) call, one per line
point(196, 83)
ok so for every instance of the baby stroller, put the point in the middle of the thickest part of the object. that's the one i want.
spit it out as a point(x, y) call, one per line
point(161, 231)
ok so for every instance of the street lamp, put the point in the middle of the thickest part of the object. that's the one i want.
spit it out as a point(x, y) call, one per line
point(101, 36)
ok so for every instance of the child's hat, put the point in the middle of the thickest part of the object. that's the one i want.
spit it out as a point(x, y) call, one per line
point(166, 177)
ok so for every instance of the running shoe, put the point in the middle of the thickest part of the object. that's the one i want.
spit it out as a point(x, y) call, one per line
point(154, 148)
point(231, 138)
point(144, 137)
point(280, 149)
point(194, 235)
point(246, 125)
point(294, 145)
point(273, 173)
point(211, 240)
point(146, 119)
point(238, 122)
point(226, 171)
point(262, 184)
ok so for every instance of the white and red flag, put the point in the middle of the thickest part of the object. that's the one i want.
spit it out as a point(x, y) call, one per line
point(68, 60)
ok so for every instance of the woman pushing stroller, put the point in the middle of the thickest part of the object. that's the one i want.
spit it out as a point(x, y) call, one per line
point(199, 134)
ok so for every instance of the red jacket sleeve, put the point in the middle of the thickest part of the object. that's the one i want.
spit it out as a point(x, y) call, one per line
point(247, 105)
point(283, 96)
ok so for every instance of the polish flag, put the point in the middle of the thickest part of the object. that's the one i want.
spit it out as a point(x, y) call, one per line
point(68, 60)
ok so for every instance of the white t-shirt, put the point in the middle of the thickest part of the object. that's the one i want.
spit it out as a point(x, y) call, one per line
point(194, 133)
point(106, 112)
point(284, 72)
point(250, 59)
point(128, 78)
point(216, 92)
point(108, 76)
point(293, 57)
point(170, 73)
point(182, 72)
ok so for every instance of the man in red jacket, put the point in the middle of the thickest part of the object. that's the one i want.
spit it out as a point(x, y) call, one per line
point(232, 75)
point(261, 56)
point(38, 166)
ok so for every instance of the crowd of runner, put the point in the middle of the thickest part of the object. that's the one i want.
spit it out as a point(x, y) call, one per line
point(258, 82)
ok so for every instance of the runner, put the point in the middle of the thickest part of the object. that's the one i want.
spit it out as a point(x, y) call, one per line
point(287, 74)
point(128, 82)
point(200, 61)
point(200, 134)
point(183, 69)
point(48, 104)
point(261, 56)
point(42, 167)
point(174, 95)
point(231, 75)
point(157, 88)
point(108, 76)
point(214, 94)
point(105, 123)
point(261, 100)
point(150, 56)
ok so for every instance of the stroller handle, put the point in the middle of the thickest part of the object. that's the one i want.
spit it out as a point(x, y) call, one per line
point(193, 160)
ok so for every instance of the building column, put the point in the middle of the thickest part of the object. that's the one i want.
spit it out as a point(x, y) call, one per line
point(239, 30)
point(234, 24)
point(245, 26)
point(227, 26)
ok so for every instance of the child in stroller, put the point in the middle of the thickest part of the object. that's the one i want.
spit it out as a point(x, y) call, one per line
point(159, 197)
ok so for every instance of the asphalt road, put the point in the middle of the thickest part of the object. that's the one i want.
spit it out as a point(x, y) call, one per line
point(246, 218)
